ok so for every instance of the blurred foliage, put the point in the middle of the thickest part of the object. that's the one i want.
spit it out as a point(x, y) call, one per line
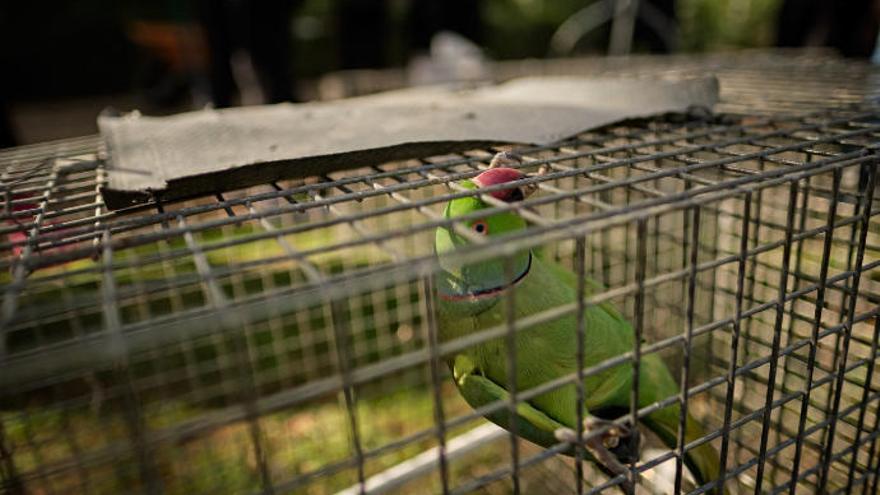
point(523, 28)
point(89, 38)
point(718, 24)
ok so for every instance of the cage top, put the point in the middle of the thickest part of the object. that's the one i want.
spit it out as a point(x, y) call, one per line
point(759, 81)
point(75, 274)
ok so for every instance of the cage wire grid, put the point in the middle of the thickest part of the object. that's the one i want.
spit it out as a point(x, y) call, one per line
point(282, 338)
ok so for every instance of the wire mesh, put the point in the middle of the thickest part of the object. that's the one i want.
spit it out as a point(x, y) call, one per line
point(284, 338)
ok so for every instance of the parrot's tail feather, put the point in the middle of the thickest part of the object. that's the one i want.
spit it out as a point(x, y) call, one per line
point(703, 460)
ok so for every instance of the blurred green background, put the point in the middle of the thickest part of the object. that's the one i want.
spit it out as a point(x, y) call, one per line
point(85, 47)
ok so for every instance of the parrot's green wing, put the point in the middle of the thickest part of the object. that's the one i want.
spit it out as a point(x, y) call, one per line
point(530, 423)
point(478, 391)
point(536, 427)
point(656, 384)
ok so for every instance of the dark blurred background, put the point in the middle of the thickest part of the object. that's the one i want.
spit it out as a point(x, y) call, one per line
point(63, 62)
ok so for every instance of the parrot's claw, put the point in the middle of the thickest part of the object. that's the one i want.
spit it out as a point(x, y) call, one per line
point(611, 448)
point(511, 159)
point(618, 438)
point(505, 159)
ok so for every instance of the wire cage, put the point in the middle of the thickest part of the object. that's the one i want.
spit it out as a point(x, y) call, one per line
point(283, 338)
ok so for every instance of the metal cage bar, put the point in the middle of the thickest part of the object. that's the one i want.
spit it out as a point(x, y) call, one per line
point(286, 335)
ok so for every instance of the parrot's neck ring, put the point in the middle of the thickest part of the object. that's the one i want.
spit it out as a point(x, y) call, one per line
point(492, 291)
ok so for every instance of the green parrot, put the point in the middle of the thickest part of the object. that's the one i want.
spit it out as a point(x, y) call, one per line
point(471, 298)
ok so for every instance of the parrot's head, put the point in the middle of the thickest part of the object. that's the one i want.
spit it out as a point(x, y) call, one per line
point(475, 287)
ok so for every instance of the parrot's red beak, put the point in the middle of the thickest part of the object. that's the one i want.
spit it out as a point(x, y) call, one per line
point(500, 175)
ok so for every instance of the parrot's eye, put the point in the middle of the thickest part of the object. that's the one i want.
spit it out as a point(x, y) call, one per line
point(480, 227)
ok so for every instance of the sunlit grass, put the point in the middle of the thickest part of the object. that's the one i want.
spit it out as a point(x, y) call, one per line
point(295, 442)
point(86, 441)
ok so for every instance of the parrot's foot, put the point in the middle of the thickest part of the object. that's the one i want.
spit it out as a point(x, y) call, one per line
point(505, 159)
point(511, 159)
point(617, 439)
point(612, 448)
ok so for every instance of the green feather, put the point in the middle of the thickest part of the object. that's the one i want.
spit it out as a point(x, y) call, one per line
point(548, 351)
